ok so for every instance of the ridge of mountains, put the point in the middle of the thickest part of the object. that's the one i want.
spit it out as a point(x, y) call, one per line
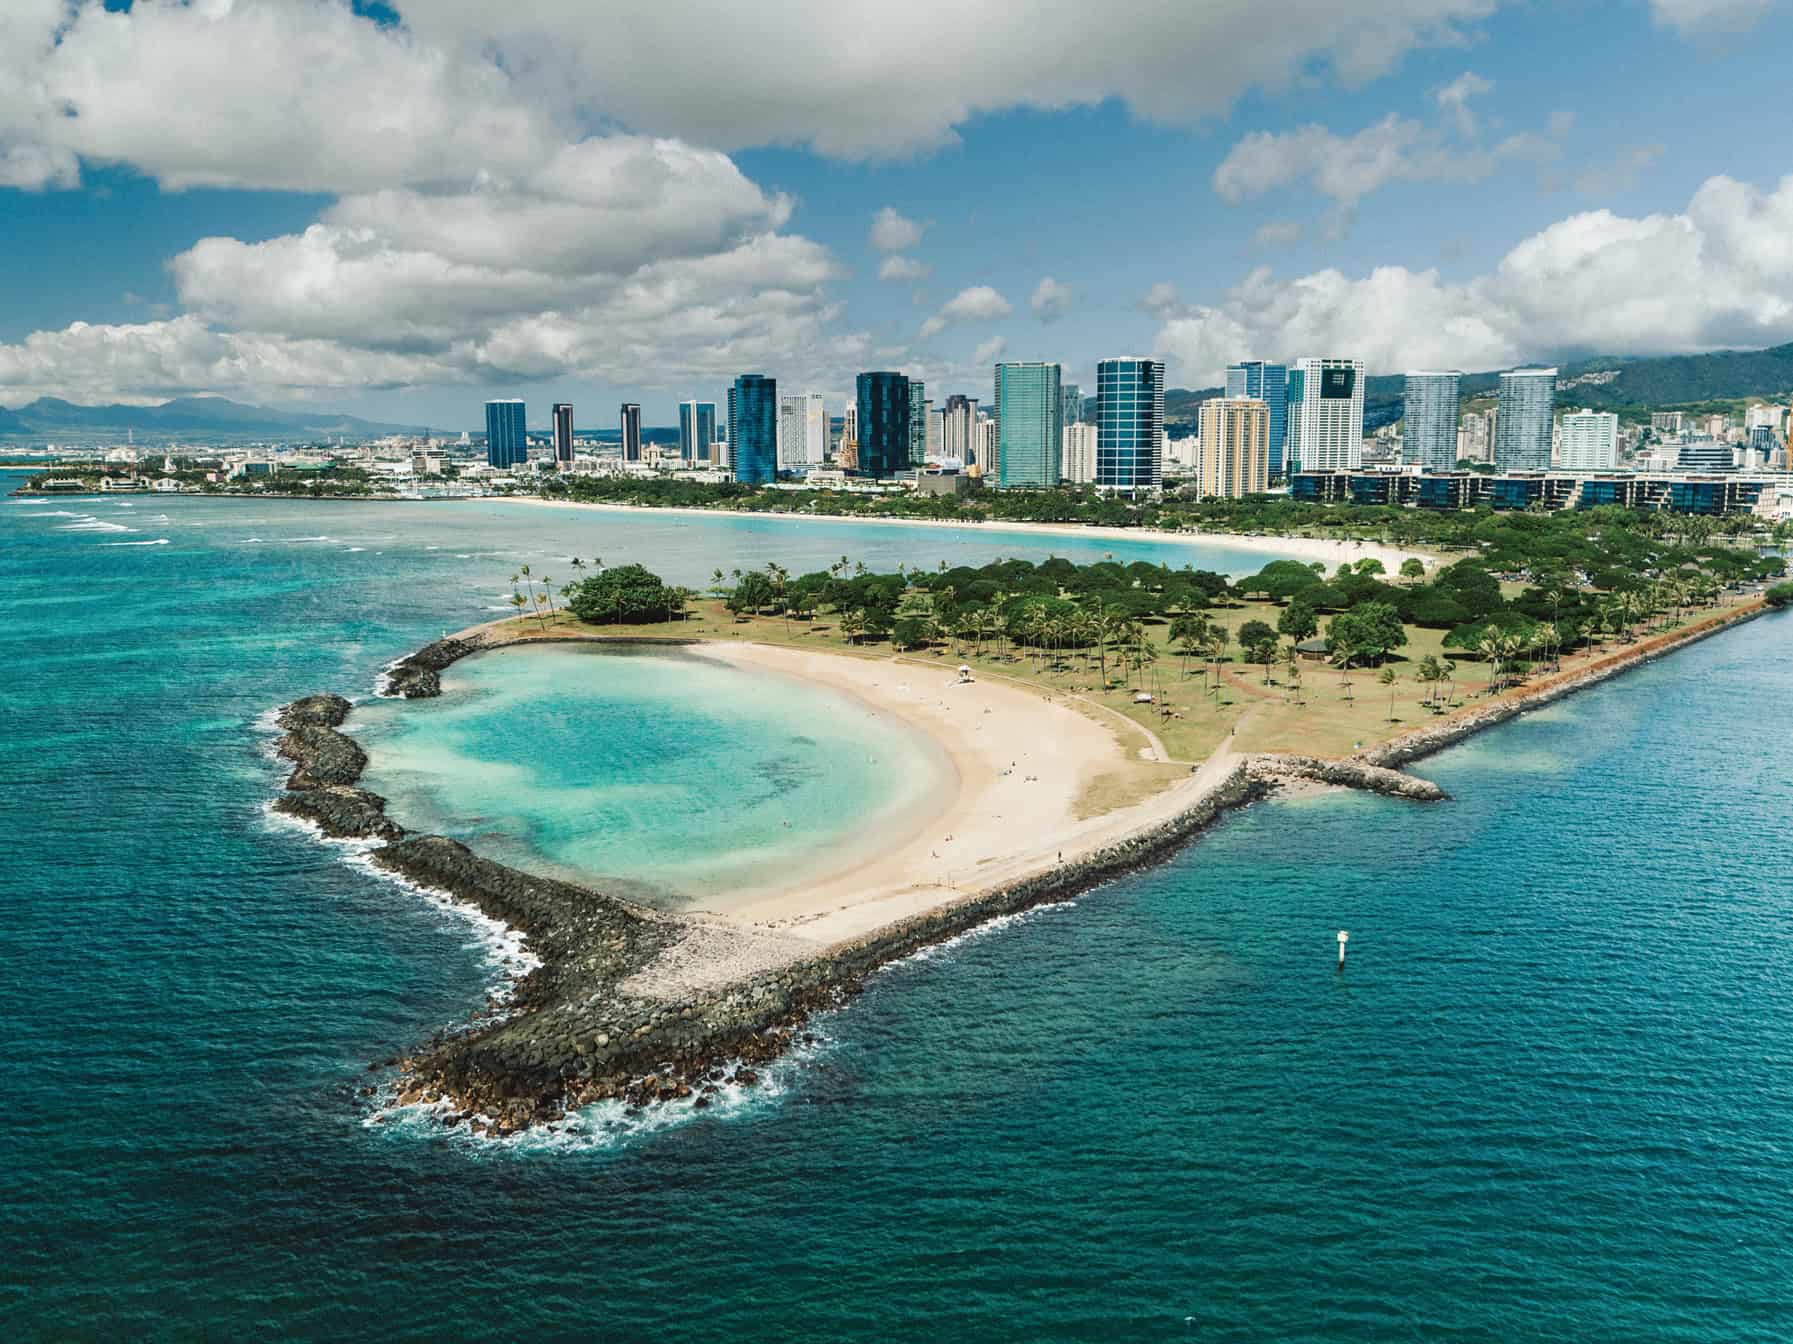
point(213, 416)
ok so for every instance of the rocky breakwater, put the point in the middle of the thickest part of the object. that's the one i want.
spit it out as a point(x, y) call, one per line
point(321, 788)
point(1349, 772)
point(418, 676)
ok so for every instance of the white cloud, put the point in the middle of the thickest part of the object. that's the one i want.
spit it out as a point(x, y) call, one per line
point(903, 268)
point(1169, 62)
point(1717, 275)
point(1051, 299)
point(287, 94)
point(892, 232)
point(989, 352)
point(1344, 167)
point(1621, 174)
point(1454, 98)
point(980, 303)
point(1162, 301)
point(1694, 18)
point(1276, 233)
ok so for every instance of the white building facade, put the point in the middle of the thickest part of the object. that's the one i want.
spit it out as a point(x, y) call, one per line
point(1590, 441)
point(1326, 414)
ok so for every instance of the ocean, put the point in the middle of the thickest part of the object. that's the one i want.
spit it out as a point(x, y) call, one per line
point(1551, 1095)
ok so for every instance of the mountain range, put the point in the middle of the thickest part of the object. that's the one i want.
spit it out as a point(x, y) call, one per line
point(215, 417)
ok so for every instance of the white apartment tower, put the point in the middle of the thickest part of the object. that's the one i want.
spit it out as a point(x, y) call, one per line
point(802, 430)
point(1326, 414)
point(1590, 441)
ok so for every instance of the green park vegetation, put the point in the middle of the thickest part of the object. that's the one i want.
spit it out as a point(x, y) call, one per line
point(1293, 658)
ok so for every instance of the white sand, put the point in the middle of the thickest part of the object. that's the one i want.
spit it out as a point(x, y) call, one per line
point(1021, 760)
point(1331, 553)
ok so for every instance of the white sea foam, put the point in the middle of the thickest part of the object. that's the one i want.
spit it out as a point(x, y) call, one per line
point(353, 549)
point(94, 525)
point(982, 930)
point(62, 513)
point(298, 539)
point(159, 541)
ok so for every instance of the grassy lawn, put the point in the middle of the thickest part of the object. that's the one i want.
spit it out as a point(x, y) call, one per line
point(1195, 707)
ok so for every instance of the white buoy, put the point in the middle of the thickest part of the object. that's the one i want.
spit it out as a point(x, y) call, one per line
point(1343, 939)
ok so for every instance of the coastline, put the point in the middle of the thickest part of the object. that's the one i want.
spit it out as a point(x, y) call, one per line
point(645, 1007)
point(1328, 550)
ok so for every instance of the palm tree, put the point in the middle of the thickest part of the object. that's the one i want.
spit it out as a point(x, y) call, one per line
point(852, 624)
point(518, 601)
point(1388, 679)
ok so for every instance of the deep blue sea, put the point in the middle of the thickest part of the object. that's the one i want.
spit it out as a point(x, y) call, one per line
point(1550, 1097)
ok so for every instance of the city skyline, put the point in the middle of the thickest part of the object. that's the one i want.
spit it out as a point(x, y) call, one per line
point(1427, 185)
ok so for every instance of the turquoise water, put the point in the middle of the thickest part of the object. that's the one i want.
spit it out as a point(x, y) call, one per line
point(1551, 1097)
point(669, 777)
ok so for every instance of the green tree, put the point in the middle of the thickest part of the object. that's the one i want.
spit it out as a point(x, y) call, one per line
point(1298, 620)
point(1413, 569)
point(626, 595)
point(1370, 630)
point(1259, 642)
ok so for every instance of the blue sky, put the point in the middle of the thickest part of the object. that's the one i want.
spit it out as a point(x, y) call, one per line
point(405, 218)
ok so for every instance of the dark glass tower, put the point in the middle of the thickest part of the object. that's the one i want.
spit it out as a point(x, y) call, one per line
point(507, 445)
point(563, 433)
point(1129, 424)
point(883, 423)
point(753, 428)
point(1268, 383)
point(631, 426)
point(697, 430)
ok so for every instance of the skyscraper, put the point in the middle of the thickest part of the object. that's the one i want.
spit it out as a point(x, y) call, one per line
point(1268, 383)
point(1029, 408)
point(1430, 416)
point(753, 428)
point(507, 445)
point(802, 430)
point(1527, 411)
point(1077, 463)
point(697, 430)
point(918, 422)
point(790, 431)
point(1590, 440)
point(1129, 424)
point(958, 427)
point(1326, 423)
point(1235, 447)
point(631, 426)
point(1071, 397)
point(563, 433)
point(884, 436)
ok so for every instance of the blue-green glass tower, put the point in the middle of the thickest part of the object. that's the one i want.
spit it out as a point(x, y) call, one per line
point(507, 445)
point(883, 423)
point(1268, 383)
point(753, 428)
point(1129, 424)
point(1029, 425)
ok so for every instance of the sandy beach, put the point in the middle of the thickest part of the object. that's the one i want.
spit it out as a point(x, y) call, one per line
point(1330, 553)
point(1022, 763)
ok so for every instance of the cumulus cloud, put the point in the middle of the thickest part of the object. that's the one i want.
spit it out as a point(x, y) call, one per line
point(1170, 63)
point(903, 268)
point(893, 232)
point(1698, 18)
point(989, 352)
point(1051, 299)
point(1719, 274)
point(1162, 301)
point(980, 303)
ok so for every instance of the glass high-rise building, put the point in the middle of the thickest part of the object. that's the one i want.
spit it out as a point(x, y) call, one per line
point(507, 443)
point(631, 428)
point(1429, 418)
point(884, 431)
point(919, 406)
point(1129, 424)
point(958, 429)
point(1527, 411)
point(753, 428)
point(1259, 380)
point(1029, 409)
point(563, 433)
point(1071, 399)
point(697, 430)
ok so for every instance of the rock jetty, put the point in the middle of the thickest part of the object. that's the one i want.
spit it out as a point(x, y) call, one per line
point(419, 675)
